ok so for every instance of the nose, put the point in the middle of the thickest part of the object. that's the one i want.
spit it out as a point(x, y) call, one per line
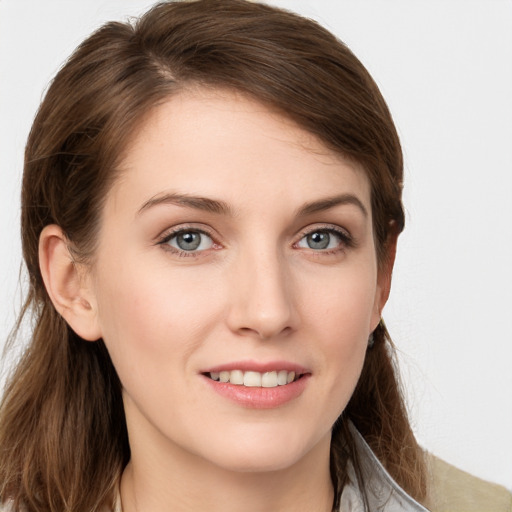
point(262, 302)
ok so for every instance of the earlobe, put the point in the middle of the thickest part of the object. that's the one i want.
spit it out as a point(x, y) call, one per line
point(67, 284)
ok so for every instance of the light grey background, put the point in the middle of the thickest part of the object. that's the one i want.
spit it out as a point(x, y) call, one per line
point(445, 68)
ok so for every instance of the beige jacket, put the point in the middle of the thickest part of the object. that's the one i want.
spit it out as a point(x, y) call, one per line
point(453, 490)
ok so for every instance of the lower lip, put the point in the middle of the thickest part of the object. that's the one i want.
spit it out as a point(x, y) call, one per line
point(259, 397)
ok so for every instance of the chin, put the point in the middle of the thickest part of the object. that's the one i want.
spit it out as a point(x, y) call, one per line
point(256, 463)
point(265, 453)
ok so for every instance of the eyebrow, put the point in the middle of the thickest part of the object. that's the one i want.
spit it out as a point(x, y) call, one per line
point(331, 202)
point(198, 203)
point(222, 208)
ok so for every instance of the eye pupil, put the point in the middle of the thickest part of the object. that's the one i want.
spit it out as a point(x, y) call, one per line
point(318, 240)
point(188, 241)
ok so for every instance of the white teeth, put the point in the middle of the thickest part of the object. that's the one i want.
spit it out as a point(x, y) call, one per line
point(269, 380)
point(282, 377)
point(255, 379)
point(236, 377)
point(252, 379)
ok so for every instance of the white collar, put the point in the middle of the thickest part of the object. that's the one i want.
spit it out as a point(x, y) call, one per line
point(383, 493)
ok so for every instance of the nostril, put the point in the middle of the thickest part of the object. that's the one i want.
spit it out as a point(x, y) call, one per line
point(261, 303)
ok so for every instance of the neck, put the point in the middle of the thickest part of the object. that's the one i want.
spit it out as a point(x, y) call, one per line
point(165, 480)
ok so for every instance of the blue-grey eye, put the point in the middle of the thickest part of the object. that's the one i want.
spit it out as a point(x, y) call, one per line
point(320, 240)
point(190, 241)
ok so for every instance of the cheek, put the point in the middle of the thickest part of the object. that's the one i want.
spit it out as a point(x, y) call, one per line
point(341, 312)
point(343, 303)
point(149, 315)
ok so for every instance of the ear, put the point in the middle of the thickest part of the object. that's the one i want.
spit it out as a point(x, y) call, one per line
point(67, 283)
point(384, 274)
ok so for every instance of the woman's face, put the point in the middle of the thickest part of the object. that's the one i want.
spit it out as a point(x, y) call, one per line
point(235, 246)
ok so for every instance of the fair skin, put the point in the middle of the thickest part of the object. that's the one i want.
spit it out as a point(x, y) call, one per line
point(233, 240)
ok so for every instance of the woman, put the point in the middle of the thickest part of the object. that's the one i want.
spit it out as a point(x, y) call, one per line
point(211, 202)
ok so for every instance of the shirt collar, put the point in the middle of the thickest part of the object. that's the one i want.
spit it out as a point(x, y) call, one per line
point(383, 493)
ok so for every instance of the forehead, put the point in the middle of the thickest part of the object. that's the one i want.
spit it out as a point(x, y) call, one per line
point(223, 144)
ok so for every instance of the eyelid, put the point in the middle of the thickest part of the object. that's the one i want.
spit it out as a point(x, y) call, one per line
point(346, 237)
point(325, 227)
point(347, 240)
point(170, 233)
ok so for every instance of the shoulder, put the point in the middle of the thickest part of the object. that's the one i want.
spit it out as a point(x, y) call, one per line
point(453, 490)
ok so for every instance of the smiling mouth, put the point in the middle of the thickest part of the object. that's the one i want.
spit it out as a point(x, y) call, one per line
point(255, 379)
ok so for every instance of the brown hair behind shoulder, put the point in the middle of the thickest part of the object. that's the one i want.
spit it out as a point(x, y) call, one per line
point(63, 434)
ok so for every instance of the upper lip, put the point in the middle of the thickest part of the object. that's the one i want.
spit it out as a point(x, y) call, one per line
point(257, 366)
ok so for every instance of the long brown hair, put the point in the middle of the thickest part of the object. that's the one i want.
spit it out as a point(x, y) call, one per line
point(63, 439)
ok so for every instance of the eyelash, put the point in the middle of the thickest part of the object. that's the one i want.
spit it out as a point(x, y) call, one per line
point(168, 236)
point(346, 240)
